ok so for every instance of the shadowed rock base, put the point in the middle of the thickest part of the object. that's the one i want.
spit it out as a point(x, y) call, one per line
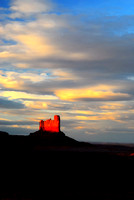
point(47, 134)
point(53, 138)
point(58, 167)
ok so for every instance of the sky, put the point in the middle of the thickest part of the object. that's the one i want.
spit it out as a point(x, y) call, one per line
point(72, 58)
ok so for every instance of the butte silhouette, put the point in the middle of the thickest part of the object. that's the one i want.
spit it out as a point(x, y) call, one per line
point(50, 133)
point(49, 128)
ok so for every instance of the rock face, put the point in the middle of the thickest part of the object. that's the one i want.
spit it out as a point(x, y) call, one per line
point(50, 125)
point(3, 134)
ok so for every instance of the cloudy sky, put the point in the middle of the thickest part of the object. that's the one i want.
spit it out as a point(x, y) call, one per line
point(68, 57)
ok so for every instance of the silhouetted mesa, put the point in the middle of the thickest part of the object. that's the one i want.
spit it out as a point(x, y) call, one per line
point(50, 165)
point(49, 133)
point(3, 134)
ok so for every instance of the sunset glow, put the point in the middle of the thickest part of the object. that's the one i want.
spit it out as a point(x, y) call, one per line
point(74, 94)
point(72, 59)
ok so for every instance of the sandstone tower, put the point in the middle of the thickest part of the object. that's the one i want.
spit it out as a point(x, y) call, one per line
point(50, 125)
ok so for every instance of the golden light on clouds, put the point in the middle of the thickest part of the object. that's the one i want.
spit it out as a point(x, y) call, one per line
point(17, 80)
point(80, 127)
point(111, 106)
point(88, 93)
point(36, 44)
point(6, 54)
point(51, 63)
point(36, 105)
point(105, 116)
point(23, 95)
point(85, 112)
point(29, 46)
point(9, 82)
point(64, 75)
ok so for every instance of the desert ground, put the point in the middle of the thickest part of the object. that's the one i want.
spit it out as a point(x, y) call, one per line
point(49, 168)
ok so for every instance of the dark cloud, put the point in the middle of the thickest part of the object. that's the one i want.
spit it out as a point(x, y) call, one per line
point(8, 104)
point(17, 130)
point(110, 98)
point(69, 123)
point(110, 136)
point(9, 123)
point(60, 106)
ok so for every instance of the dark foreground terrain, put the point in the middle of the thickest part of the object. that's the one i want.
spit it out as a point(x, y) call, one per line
point(37, 167)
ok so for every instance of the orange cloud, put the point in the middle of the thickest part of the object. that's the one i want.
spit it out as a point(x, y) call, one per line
point(113, 116)
point(17, 80)
point(64, 75)
point(9, 81)
point(106, 116)
point(29, 45)
point(111, 106)
point(23, 95)
point(79, 127)
point(36, 105)
point(85, 112)
point(6, 54)
point(36, 44)
point(92, 93)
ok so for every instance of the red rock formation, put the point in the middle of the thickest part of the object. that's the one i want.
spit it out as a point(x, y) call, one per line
point(50, 125)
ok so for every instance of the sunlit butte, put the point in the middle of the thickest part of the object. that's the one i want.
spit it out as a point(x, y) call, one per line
point(50, 125)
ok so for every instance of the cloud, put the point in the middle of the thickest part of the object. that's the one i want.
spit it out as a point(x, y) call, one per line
point(28, 7)
point(112, 106)
point(8, 104)
point(25, 96)
point(36, 105)
point(38, 83)
point(99, 116)
point(66, 46)
point(25, 123)
point(17, 130)
point(11, 79)
point(77, 65)
point(89, 94)
point(36, 44)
